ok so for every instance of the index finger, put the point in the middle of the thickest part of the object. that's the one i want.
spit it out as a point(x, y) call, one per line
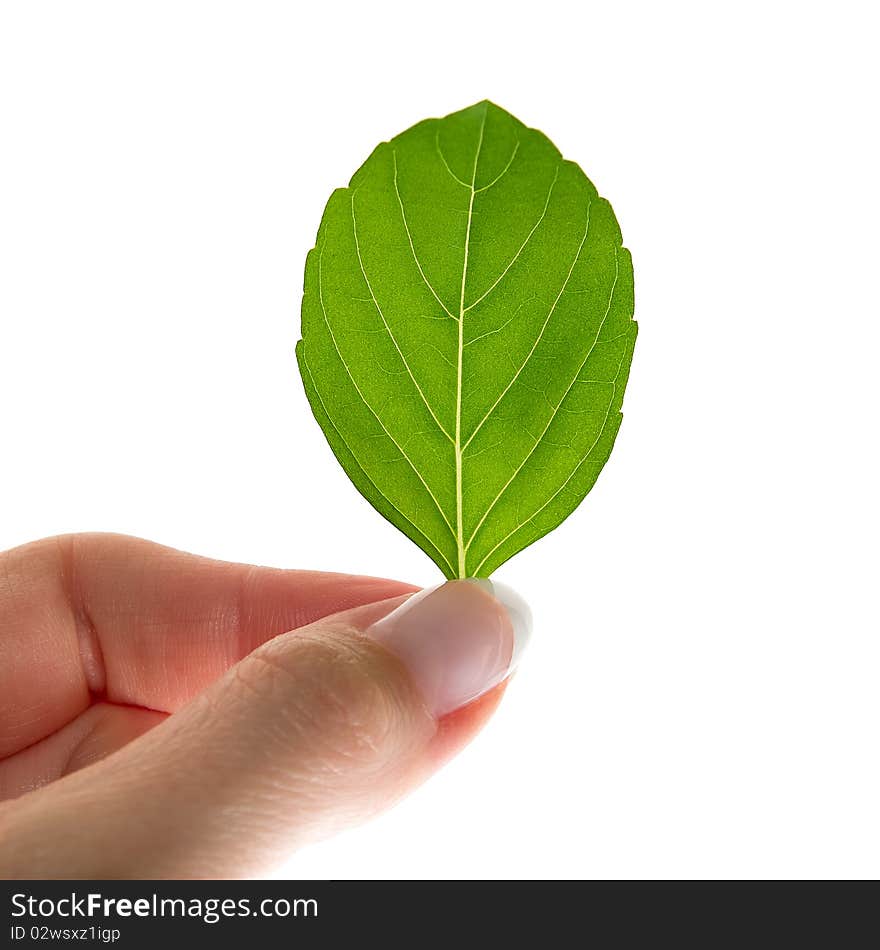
point(102, 616)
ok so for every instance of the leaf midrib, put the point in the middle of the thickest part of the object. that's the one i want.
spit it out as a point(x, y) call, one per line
point(459, 506)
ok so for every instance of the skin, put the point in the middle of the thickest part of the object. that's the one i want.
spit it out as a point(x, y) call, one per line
point(165, 715)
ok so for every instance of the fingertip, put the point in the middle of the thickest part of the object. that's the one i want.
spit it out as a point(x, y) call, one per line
point(457, 729)
point(457, 640)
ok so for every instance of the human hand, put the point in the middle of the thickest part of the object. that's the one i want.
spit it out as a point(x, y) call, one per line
point(164, 716)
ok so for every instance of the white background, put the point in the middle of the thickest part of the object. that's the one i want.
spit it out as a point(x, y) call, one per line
point(701, 697)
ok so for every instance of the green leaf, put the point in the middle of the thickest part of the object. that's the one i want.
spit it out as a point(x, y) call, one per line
point(467, 335)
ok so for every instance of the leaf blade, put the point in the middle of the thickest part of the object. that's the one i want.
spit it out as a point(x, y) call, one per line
point(467, 335)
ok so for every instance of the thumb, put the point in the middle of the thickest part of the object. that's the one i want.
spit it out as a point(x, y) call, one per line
point(315, 730)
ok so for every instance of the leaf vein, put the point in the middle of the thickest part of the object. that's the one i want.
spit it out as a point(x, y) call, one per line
point(357, 247)
point(540, 335)
point(378, 490)
point(463, 184)
point(504, 170)
point(365, 401)
point(522, 247)
point(410, 239)
point(553, 414)
point(506, 323)
point(574, 472)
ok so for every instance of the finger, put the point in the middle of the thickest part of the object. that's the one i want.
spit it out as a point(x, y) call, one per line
point(131, 622)
point(310, 733)
point(91, 736)
point(104, 728)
